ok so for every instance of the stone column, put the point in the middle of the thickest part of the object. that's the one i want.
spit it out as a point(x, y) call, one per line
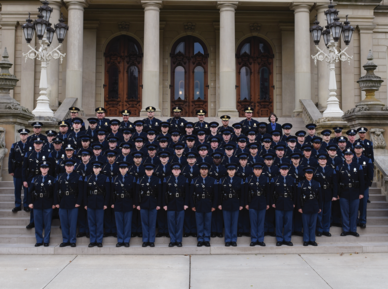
point(288, 68)
point(151, 56)
point(323, 68)
point(27, 89)
point(366, 44)
point(347, 78)
point(164, 104)
point(8, 40)
point(216, 26)
point(302, 55)
point(227, 59)
point(74, 55)
point(53, 68)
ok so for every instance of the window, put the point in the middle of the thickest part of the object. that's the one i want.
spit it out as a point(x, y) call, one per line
point(180, 48)
point(133, 82)
point(179, 82)
point(199, 85)
point(245, 83)
point(198, 48)
point(113, 72)
point(264, 83)
point(246, 49)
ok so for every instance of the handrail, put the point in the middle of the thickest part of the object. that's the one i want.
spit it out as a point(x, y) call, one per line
point(310, 112)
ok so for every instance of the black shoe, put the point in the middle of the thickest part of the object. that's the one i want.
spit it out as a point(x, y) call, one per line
point(305, 244)
point(73, 245)
point(126, 245)
point(213, 235)
point(313, 243)
point(239, 234)
point(220, 235)
point(355, 234)
point(46, 244)
point(167, 235)
point(266, 234)
point(327, 234)
point(16, 209)
point(318, 234)
point(178, 244)
point(246, 234)
point(186, 235)
point(288, 243)
point(80, 235)
point(27, 209)
point(92, 245)
point(344, 234)
point(368, 201)
point(152, 244)
point(194, 235)
point(227, 244)
point(30, 226)
point(262, 244)
point(171, 244)
point(38, 244)
point(87, 235)
point(64, 245)
point(99, 245)
point(106, 235)
point(145, 244)
point(207, 244)
point(158, 235)
point(362, 226)
point(252, 244)
point(279, 243)
point(119, 245)
point(234, 244)
point(199, 244)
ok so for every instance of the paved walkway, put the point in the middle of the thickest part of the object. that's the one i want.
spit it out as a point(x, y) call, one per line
point(195, 272)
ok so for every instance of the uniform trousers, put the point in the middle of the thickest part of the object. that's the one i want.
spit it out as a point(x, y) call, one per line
point(109, 221)
point(297, 224)
point(136, 222)
point(96, 225)
point(162, 222)
point(231, 225)
point(68, 218)
point(123, 225)
point(257, 218)
point(83, 226)
point(148, 224)
point(204, 221)
point(217, 221)
point(18, 184)
point(309, 226)
point(363, 205)
point(283, 219)
point(269, 222)
point(175, 220)
point(243, 222)
point(349, 212)
point(43, 221)
point(189, 223)
point(323, 220)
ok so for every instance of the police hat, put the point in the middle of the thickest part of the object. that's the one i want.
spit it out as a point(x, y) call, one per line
point(92, 120)
point(258, 166)
point(86, 153)
point(57, 141)
point(225, 117)
point(267, 138)
point(214, 139)
point(280, 147)
point(291, 138)
point(231, 166)
point(227, 131)
point(37, 124)
point(77, 120)
point(165, 124)
point(85, 138)
point(150, 109)
point(151, 131)
point(203, 147)
point(348, 152)
point(216, 155)
point(205, 166)
point(248, 109)
point(138, 123)
point(213, 124)
point(69, 163)
point(69, 148)
point(287, 126)
point(176, 166)
point(342, 139)
point(179, 146)
point(123, 165)
point(296, 156)
point(97, 164)
point(151, 147)
point(51, 133)
point(191, 155)
point(189, 125)
point(97, 146)
point(127, 130)
point(125, 145)
point(201, 131)
point(253, 145)
point(338, 129)
point(137, 154)
point(276, 133)
point(358, 145)
point(332, 147)
point(111, 153)
point(177, 109)
point(251, 132)
point(114, 122)
point(175, 133)
point(164, 154)
point(44, 164)
point(63, 123)
point(284, 167)
point(263, 125)
point(362, 130)
point(351, 132)
point(162, 139)
point(242, 156)
point(307, 147)
point(268, 156)
point(23, 131)
point(326, 132)
point(201, 112)
point(237, 125)
point(316, 139)
point(242, 139)
point(190, 138)
point(101, 131)
point(308, 170)
point(311, 126)
point(100, 110)
point(322, 156)
point(74, 109)
point(38, 140)
point(139, 139)
point(149, 167)
point(125, 112)
point(300, 133)
point(113, 139)
point(229, 147)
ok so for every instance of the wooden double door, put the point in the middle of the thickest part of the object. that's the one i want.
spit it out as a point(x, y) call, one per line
point(123, 81)
point(254, 83)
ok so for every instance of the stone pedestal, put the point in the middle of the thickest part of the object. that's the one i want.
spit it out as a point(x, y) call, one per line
point(329, 123)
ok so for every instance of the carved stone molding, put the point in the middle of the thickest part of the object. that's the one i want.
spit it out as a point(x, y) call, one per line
point(254, 27)
point(123, 26)
point(189, 26)
point(377, 138)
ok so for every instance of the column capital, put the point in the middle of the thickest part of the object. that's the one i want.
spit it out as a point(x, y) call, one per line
point(56, 3)
point(152, 5)
point(77, 4)
point(224, 6)
point(321, 7)
point(300, 7)
point(8, 24)
point(366, 28)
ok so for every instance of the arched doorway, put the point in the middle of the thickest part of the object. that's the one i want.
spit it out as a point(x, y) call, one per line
point(189, 68)
point(123, 84)
point(254, 66)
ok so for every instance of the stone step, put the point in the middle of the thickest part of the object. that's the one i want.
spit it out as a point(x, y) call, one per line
point(376, 197)
point(373, 190)
point(377, 221)
point(377, 212)
point(23, 221)
point(6, 184)
point(378, 205)
point(8, 213)
point(7, 190)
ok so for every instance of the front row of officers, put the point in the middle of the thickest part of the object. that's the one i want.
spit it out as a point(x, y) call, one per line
point(200, 200)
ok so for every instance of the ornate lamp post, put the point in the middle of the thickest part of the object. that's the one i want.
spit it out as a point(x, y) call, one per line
point(331, 36)
point(45, 34)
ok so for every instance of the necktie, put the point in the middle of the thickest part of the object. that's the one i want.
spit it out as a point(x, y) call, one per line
point(125, 158)
point(92, 133)
point(357, 160)
point(217, 169)
point(43, 179)
point(310, 183)
point(151, 122)
point(149, 180)
point(152, 160)
point(296, 170)
point(229, 159)
point(111, 168)
point(137, 168)
point(284, 179)
point(37, 155)
point(96, 178)
point(68, 176)
point(176, 180)
point(231, 180)
point(164, 169)
point(85, 167)
point(349, 168)
point(191, 169)
point(257, 179)
point(123, 179)
point(323, 169)
point(249, 123)
point(203, 180)
point(269, 169)
point(179, 160)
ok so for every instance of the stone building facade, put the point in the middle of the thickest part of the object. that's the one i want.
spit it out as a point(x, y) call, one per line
point(219, 56)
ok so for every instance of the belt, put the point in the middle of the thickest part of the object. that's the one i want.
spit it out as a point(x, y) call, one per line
point(94, 192)
point(122, 196)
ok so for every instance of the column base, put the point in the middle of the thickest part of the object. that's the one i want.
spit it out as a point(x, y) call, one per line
point(230, 112)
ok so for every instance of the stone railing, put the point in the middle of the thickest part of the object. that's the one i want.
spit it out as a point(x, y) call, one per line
point(310, 112)
point(381, 173)
point(62, 112)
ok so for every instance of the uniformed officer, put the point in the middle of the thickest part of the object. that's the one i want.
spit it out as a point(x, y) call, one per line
point(326, 176)
point(232, 191)
point(249, 123)
point(296, 172)
point(309, 204)
point(49, 146)
point(175, 202)
point(63, 131)
point(41, 199)
point(123, 203)
point(15, 164)
point(114, 130)
point(204, 193)
point(126, 123)
point(74, 112)
point(257, 200)
point(68, 197)
point(368, 145)
point(69, 155)
point(301, 138)
point(286, 131)
point(271, 172)
point(36, 128)
point(201, 123)
point(177, 122)
point(351, 184)
point(103, 123)
point(151, 122)
point(308, 160)
point(283, 196)
point(243, 171)
point(326, 141)
point(337, 134)
point(97, 189)
point(148, 202)
point(92, 129)
point(74, 137)
point(225, 123)
point(310, 132)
